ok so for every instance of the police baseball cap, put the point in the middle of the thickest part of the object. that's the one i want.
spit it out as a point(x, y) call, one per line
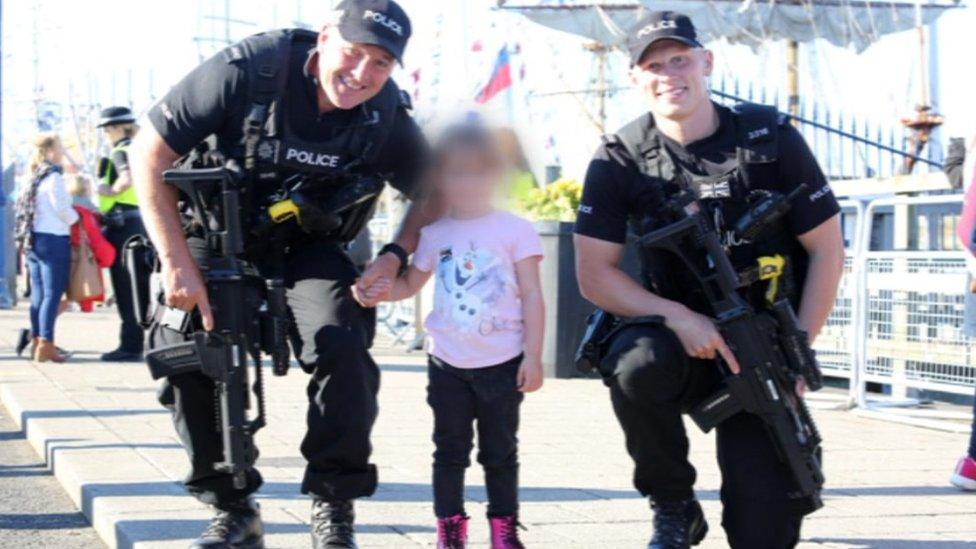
point(381, 23)
point(116, 115)
point(660, 25)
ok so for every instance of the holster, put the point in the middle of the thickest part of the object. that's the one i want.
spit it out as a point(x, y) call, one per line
point(139, 261)
point(601, 327)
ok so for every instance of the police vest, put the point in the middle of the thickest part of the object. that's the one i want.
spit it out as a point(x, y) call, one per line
point(724, 197)
point(273, 154)
point(129, 197)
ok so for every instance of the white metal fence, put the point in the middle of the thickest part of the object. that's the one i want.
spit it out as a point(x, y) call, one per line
point(899, 316)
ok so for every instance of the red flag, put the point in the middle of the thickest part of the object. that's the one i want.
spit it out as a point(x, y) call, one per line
point(501, 78)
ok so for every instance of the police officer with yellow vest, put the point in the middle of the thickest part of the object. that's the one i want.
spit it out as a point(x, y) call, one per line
point(120, 210)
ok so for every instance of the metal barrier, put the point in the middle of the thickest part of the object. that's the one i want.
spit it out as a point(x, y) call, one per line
point(836, 343)
point(909, 309)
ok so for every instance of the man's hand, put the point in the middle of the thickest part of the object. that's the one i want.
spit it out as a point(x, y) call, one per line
point(185, 290)
point(529, 376)
point(700, 338)
point(383, 267)
point(104, 189)
point(801, 387)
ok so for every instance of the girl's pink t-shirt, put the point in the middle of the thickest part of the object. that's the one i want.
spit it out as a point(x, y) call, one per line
point(477, 316)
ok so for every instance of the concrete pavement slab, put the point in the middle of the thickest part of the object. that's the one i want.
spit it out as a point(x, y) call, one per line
point(114, 450)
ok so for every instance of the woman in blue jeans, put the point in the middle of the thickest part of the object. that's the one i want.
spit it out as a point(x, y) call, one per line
point(44, 218)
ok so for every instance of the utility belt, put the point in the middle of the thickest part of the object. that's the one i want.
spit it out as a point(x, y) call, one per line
point(117, 216)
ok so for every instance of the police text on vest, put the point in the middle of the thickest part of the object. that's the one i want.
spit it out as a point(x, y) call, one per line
point(312, 159)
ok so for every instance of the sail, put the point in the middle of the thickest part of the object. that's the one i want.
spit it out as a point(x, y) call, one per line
point(841, 22)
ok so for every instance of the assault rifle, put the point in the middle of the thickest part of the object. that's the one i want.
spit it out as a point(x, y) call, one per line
point(772, 351)
point(249, 315)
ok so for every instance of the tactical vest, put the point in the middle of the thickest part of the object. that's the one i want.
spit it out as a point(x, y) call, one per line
point(129, 197)
point(273, 154)
point(724, 198)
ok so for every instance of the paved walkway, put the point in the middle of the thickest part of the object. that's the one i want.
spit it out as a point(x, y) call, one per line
point(35, 512)
point(113, 449)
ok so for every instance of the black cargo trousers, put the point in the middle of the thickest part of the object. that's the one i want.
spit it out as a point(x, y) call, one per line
point(331, 336)
point(652, 383)
point(118, 230)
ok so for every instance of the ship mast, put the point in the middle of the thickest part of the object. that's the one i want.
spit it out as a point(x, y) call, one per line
point(924, 120)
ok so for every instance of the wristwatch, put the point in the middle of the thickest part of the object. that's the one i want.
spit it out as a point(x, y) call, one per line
point(398, 251)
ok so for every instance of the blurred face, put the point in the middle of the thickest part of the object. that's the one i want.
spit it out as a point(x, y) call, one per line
point(673, 76)
point(114, 133)
point(468, 180)
point(351, 73)
point(55, 154)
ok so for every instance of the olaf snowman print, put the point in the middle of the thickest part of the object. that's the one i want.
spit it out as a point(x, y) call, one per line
point(472, 282)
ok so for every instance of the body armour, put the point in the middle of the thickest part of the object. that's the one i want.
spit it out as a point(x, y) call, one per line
point(339, 174)
point(726, 197)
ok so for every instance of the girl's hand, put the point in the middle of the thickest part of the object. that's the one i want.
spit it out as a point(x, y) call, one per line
point(378, 291)
point(529, 377)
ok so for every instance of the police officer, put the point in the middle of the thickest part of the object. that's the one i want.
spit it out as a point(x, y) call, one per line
point(119, 205)
point(333, 110)
point(657, 370)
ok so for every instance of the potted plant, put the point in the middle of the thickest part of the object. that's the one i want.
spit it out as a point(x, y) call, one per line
point(553, 209)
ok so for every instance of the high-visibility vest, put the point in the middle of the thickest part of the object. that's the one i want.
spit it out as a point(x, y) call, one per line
point(129, 198)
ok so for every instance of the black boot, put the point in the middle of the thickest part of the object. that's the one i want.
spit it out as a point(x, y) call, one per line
point(23, 340)
point(677, 524)
point(332, 525)
point(235, 526)
point(119, 355)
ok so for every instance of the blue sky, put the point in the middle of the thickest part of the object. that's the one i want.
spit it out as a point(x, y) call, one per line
point(95, 48)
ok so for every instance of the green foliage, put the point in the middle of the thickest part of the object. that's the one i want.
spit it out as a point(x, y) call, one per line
point(558, 201)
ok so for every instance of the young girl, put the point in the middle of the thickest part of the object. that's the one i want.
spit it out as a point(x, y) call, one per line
point(485, 331)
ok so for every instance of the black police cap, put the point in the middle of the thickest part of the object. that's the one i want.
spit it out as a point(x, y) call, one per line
point(381, 23)
point(116, 115)
point(660, 25)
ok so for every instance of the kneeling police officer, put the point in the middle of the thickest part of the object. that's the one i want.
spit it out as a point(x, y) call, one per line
point(331, 112)
point(660, 367)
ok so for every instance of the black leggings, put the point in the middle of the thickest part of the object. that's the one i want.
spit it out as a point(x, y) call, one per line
point(652, 383)
point(458, 397)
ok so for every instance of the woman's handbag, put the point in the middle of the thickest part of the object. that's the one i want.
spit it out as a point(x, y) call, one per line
point(86, 276)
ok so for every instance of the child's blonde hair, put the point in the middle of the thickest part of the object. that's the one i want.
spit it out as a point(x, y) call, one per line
point(43, 144)
point(79, 186)
point(472, 136)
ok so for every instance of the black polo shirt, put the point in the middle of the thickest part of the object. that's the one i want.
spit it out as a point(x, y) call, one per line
point(213, 99)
